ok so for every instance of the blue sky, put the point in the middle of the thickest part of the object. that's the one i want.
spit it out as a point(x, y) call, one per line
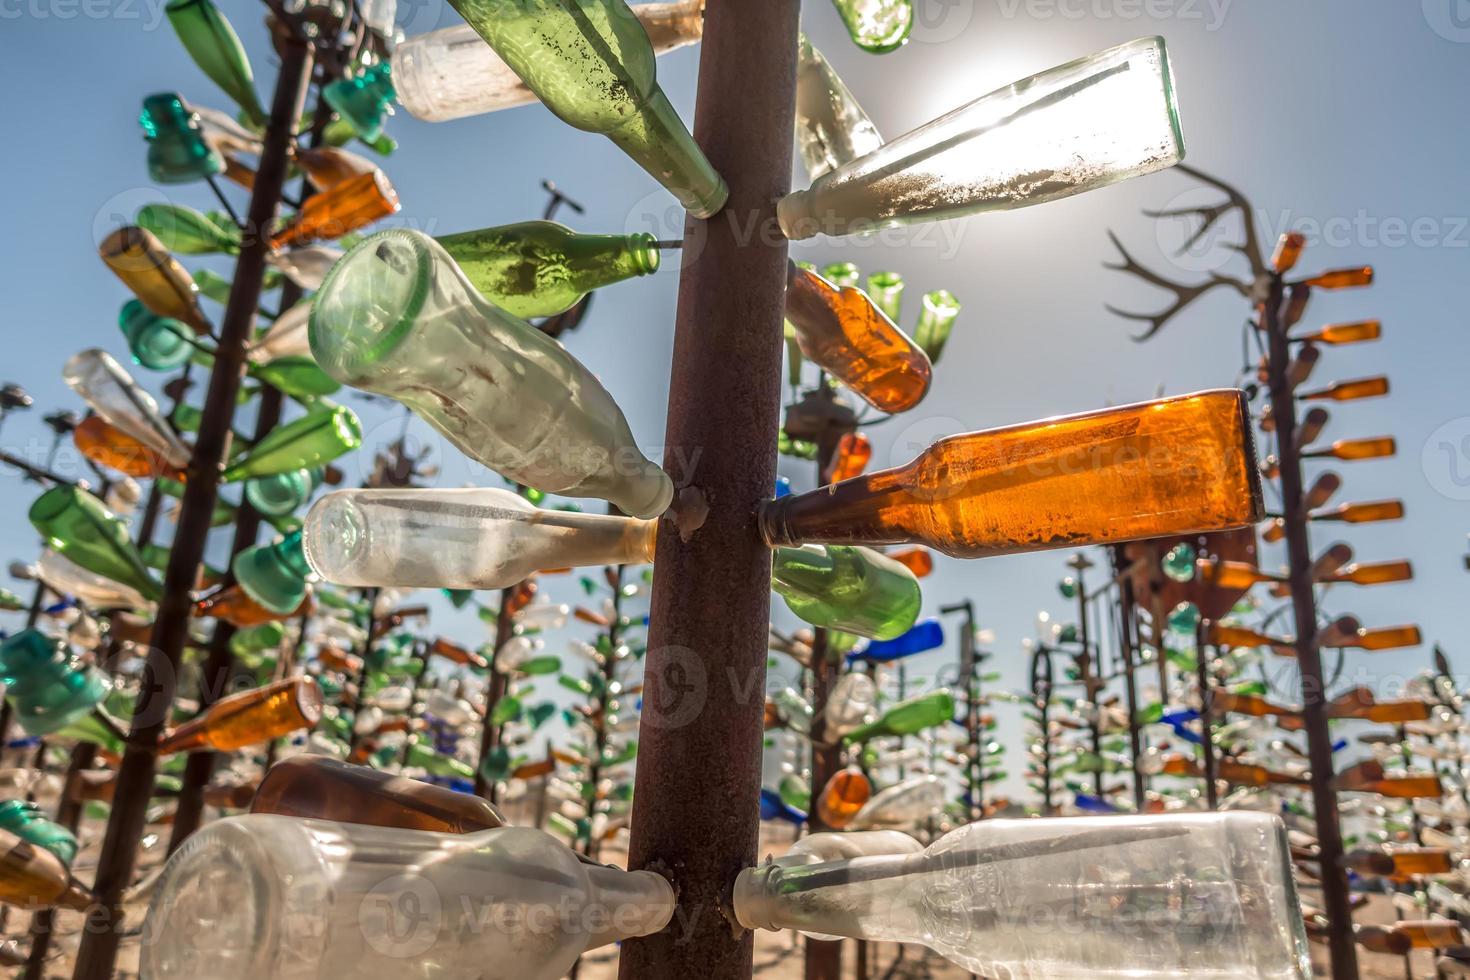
point(1345, 118)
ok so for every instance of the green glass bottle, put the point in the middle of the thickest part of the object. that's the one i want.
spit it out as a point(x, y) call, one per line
point(848, 588)
point(1184, 617)
point(282, 493)
point(212, 285)
point(936, 320)
point(187, 231)
point(1178, 562)
point(274, 575)
point(877, 26)
point(178, 153)
point(424, 757)
point(907, 717)
point(77, 524)
point(297, 376)
point(538, 268)
point(886, 291)
point(25, 819)
point(316, 438)
point(47, 685)
point(364, 100)
point(215, 47)
point(159, 343)
point(592, 64)
point(256, 640)
point(1067, 588)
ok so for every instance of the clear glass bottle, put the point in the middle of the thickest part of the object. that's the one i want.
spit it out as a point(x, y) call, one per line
point(907, 803)
point(831, 128)
point(306, 265)
point(1176, 466)
point(452, 73)
point(540, 268)
point(112, 393)
point(592, 64)
point(508, 903)
point(396, 316)
point(1075, 128)
point(66, 577)
point(858, 590)
point(1201, 896)
point(286, 336)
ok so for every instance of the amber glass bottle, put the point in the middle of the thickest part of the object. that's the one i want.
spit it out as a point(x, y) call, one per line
point(320, 788)
point(1343, 278)
point(352, 204)
point(249, 718)
point(107, 445)
point(1289, 249)
point(1346, 391)
point(32, 877)
point(1176, 466)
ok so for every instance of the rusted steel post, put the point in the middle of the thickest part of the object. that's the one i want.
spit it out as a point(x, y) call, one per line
point(695, 809)
point(170, 630)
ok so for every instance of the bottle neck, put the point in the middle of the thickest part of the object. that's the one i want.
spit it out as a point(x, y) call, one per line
point(858, 511)
point(658, 141)
point(634, 903)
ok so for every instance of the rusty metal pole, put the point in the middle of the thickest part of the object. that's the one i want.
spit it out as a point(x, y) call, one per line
point(1128, 649)
point(695, 809)
point(1309, 654)
point(170, 631)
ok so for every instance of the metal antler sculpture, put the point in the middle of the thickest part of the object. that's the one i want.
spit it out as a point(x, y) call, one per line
point(1185, 294)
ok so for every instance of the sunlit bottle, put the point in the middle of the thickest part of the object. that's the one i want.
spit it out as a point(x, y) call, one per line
point(319, 788)
point(365, 100)
point(452, 73)
point(844, 333)
point(186, 231)
point(936, 321)
point(216, 48)
point(1347, 333)
point(1373, 573)
point(907, 717)
point(397, 317)
point(593, 66)
point(877, 26)
point(76, 524)
point(853, 589)
point(1232, 574)
point(139, 259)
point(853, 452)
point(1176, 466)
point(886, 290)
point(346, 888)
point(1343, 391)
point(1356, 449)
point(831, 128)
point(297, 376)
point(32, 877)
point(1075, 128)
point(112, 393)
point(306, 265)
point(348, 206)
point(109, 446)
point(923, 636)
point(843, 797)
point(1343, 278)
point(159, 343)
point(538, 268)
point(328, 166)
point(1289, 248)
point(285, 337)
point(1362, 513)
point(916, 560)
point(1400, 861)
point(249, 718)
point(973, 896)
point(1241, 773)
point(177, 149)
point(316, 438)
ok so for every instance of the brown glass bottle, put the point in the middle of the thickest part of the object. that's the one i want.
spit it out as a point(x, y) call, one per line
point(1388, 638)
point(1347, 333)
point(1346, 391)
point(234, 606)
point(317, 787)
point(1289, 249)
point(457, 654)
point(1176, 466)
point(1254, 705)
point(107, 445)
point(1343, 278)
point(1431, 933)
point(32, 877)
point(1382, 939)
point(843, 332)
point(249, 718)
point(1373, 573)
point(155, 277)
point(328, 166)
point(1231, 574)
point(350, 205)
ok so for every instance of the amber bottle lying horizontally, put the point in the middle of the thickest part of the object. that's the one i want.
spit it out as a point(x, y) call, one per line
point(107, 445)
point(845, 334)
point(1180, 465)
point(155, 277)
point(352, 204)
point(249, 718)
point(321, 788)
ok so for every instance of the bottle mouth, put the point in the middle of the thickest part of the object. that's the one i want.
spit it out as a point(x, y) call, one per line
point(644, 253)
point(367, 304)
point(334, 535)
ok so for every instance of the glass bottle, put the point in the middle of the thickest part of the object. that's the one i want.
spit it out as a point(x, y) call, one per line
point(1180, 465)
point(452, 73)
point(328, 166)
point(365, 100)
point(307, 266)
point(924, 636)
point(877, 26)
point(1387, 638)
point(1373, 573)
point(286, 336)
point(235, 606)
point(1124, 897)
point(904, 804)
point(907, 717)
point(249, 718)
point(107, 445)
point(1345, 391)
point(844, 333)
point(51, 689)
point(593, 66)
point(296, 375)
point(215, 47)
point(936, 320)
point(186, 231)
point(139, 259)
point(34, 878)
point(159, 343)
point(1178, 563)
point(350, 205)
point(112, 393)
point(539, 268)
point(831, 128)
point(26, 820)
point(1076, 128)
point(916, 560)
point(397, 317)
point(66, 577)
point(1233, 574)
point(1362, 513)
point(316, 438)
point(886, 290)
point(843, 796)
point(274, 575)
point(1289, 248)
point(281, 494)
point(1379, 447)
point(1347, 333)
point(421, 755)
point(1342, 278)
point(853, 452)
point(76, 524)
point(347, 887)
point(850, 705)
point(178, 152)
point(853, 589)
point(319, 788)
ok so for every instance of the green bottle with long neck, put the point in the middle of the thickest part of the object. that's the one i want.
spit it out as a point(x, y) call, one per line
point(908, 717)
point(80, 527)
point(538, 268)
point(848, 588)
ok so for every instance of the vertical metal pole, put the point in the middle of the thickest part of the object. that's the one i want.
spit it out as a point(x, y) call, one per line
point(1309, 655)
point(695, 809)
point(1206, 723)
point(494, 691)
point(1088, 667)
point(1127, 648)
point(135, 777)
